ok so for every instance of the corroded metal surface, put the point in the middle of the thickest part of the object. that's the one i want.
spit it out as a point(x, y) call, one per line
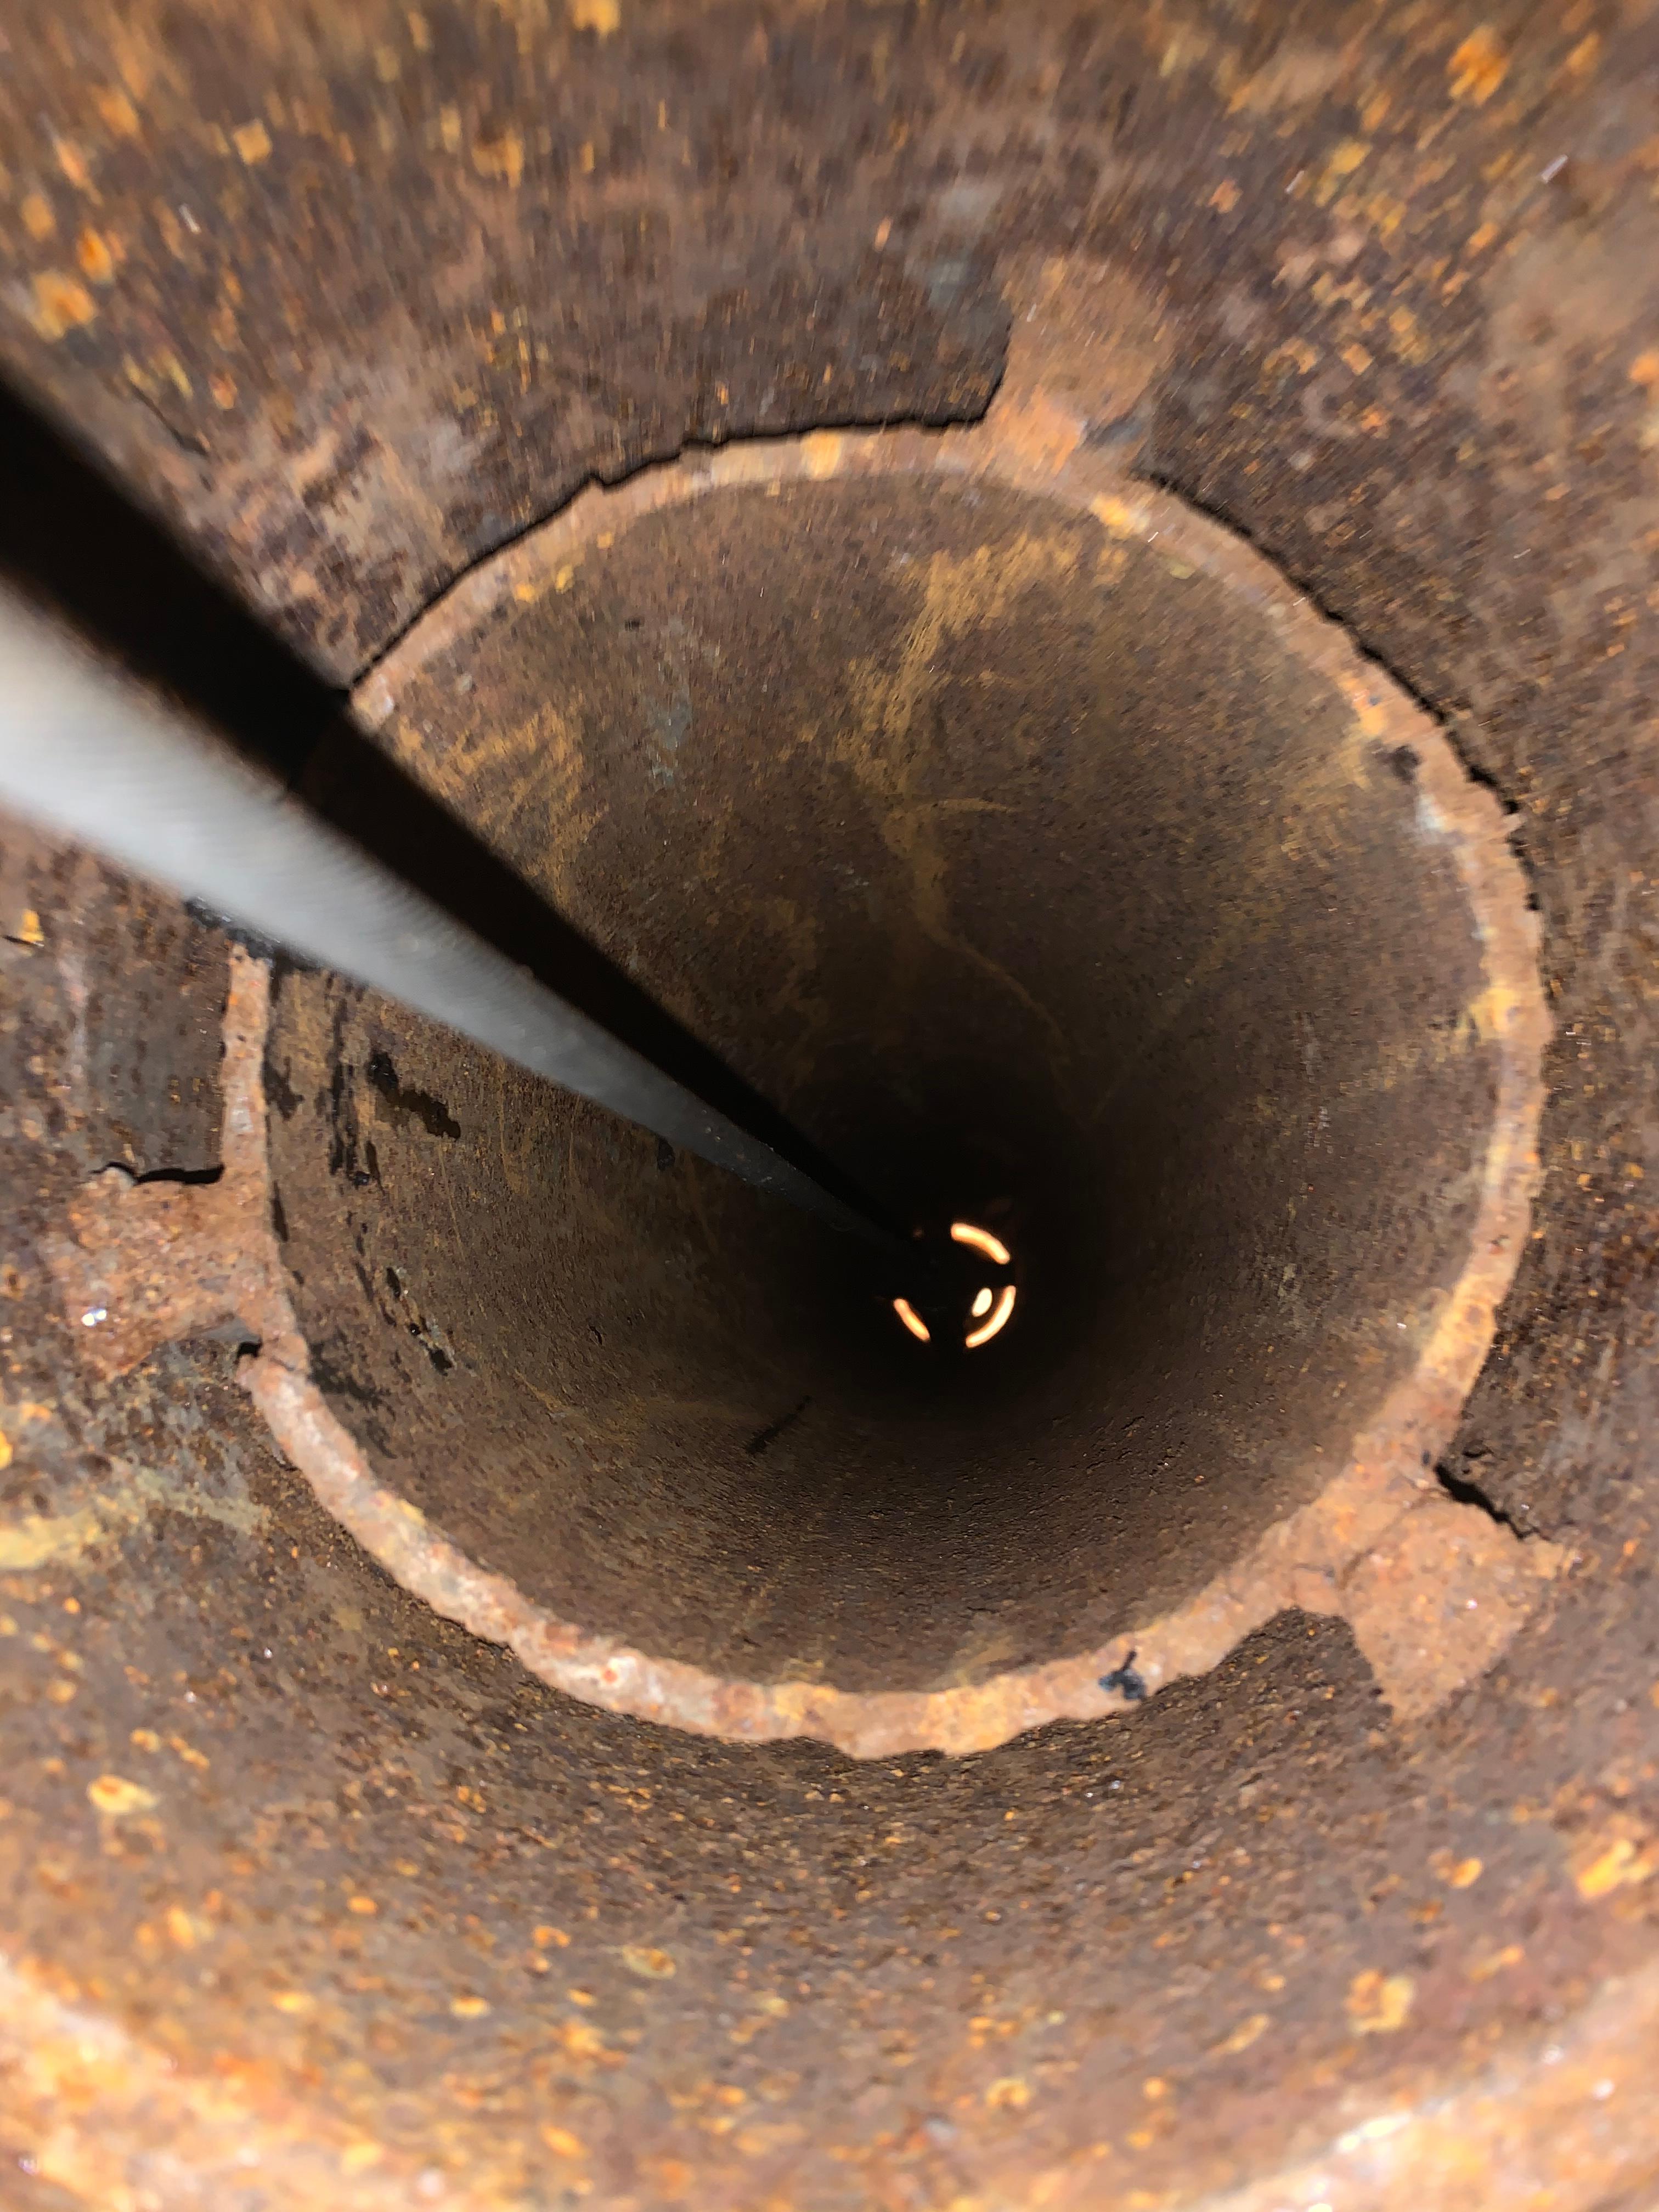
point(354, 297)
point(1376, 1545)
point(136, 1091)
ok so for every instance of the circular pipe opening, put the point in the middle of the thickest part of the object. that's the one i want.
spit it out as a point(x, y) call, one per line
point(1028, 843)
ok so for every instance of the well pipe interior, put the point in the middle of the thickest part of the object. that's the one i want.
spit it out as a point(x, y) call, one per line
point(1036, 880)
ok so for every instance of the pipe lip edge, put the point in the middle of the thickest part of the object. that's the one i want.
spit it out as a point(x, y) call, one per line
point(1318, 1558)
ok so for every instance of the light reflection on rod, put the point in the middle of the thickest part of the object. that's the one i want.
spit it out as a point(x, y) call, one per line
point(912, 1320)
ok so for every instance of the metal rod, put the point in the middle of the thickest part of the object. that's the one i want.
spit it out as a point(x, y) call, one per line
point(86, 750)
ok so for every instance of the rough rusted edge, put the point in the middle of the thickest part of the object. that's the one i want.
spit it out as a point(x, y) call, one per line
point(1322, 1557)
point(1470, 2148)
point(98, 2102)
point(1460, 2152)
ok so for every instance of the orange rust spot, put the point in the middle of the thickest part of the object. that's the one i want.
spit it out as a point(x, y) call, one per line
point(61, 303)
point(821, 453)
point(1495, 1962)
point(1379, 2003)
point(1618, 1864)
point(602, 16)
point(1644, 369)
point(582, 2040)
point(96, 260)
point(73, 163)
point(1044, 434)
point(252, 142)
point(119, 116)
point(111, 1794)
point(1011, 2093)
point(38, 219)
point(1302, 357)
point(1117, 516)
point(1478, 67)
point(1225, 198)
point(1458, 1874)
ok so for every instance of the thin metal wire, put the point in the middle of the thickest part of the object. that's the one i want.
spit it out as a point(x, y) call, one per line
point(85, 749)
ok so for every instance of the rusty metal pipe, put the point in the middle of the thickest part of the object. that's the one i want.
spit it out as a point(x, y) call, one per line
point(316, 1896)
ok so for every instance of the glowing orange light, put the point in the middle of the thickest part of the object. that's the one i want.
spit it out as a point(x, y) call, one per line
point(982, 1241)
point(912, 1320)
point(982, 1305)
point(999, 1313)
